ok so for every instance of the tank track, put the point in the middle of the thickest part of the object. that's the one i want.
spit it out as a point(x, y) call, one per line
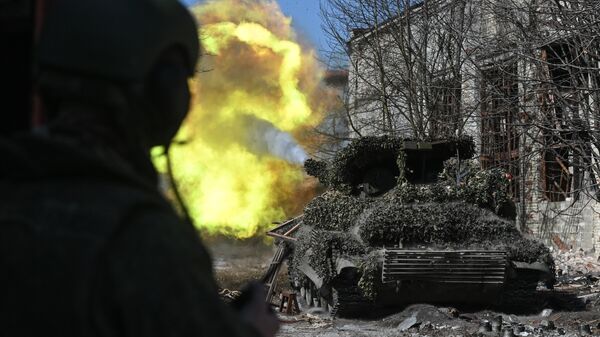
point(345, 298)
point(348, 301)
point(345, 301)
point(521, 294)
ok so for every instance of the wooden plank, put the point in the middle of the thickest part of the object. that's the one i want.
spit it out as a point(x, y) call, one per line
point(285, 223)
point(283, 237)
point(270, 278)
point(562, 165)
point(293, 229)
point(560, 189)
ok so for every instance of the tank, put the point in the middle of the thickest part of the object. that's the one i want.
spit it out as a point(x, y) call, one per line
point(405, 221)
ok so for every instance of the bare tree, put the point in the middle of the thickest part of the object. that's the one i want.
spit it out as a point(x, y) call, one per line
point(406, 64)
point(539, 91)
point(521, 76)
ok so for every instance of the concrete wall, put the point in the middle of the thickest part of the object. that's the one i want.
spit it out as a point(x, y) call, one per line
point(574, 224)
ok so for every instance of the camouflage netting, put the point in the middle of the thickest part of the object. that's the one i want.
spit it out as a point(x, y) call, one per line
point(467, 208)
point(317, 169)
point(455, 225)
point(369, 268)
point(347, 168)
point(486, 189)
point(329, 246)
point(334, 211)
point(323, 249)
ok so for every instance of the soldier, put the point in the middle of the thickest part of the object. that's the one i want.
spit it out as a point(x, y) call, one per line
point(88, 246)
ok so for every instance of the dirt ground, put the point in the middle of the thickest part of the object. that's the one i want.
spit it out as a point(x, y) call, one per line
point(428, 320)
point(236, 263)
point(571, 309)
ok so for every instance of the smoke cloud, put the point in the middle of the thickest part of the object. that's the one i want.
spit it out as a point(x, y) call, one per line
point(258, 89)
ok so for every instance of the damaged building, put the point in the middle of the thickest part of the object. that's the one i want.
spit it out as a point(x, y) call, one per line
point(522, 78)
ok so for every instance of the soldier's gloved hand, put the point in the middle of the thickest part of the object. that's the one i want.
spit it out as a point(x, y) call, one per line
point(255, 311)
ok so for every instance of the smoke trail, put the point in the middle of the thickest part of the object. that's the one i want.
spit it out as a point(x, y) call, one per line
point(264, 138)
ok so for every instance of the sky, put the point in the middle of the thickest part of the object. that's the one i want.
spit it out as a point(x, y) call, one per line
point(305, 19)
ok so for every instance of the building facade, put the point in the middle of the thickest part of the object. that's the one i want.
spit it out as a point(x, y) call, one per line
point(521, 77)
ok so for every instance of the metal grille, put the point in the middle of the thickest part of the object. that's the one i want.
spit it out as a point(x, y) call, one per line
point(466, 266)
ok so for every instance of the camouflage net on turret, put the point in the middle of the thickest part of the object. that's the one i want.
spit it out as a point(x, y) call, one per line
point(334, 211)
point(347, 167)
point(317, 169)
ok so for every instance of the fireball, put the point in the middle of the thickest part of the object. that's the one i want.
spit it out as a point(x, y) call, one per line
point(240, 166)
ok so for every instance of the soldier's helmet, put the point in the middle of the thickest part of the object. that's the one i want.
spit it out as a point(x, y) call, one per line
point(119, 54)
point(115, 40)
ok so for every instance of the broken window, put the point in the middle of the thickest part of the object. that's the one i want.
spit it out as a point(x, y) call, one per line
point(556, 176)
point(444, 119)
point(565, 79)
point(499, 114)
point(562, 80)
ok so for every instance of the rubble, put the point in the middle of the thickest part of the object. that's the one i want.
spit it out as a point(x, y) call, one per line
point(579, 274)
point(430, 321)
point(585, 330)
point(570, 263)
point(508, 333)
point(408, 323)
point(547, 325)
point(485, 327)
point(497, 324)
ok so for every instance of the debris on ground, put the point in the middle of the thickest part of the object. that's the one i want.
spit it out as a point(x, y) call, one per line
point(573, 307)
point(573, 311)
point(408, 323)
point(229, 295)
point(575, 264)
